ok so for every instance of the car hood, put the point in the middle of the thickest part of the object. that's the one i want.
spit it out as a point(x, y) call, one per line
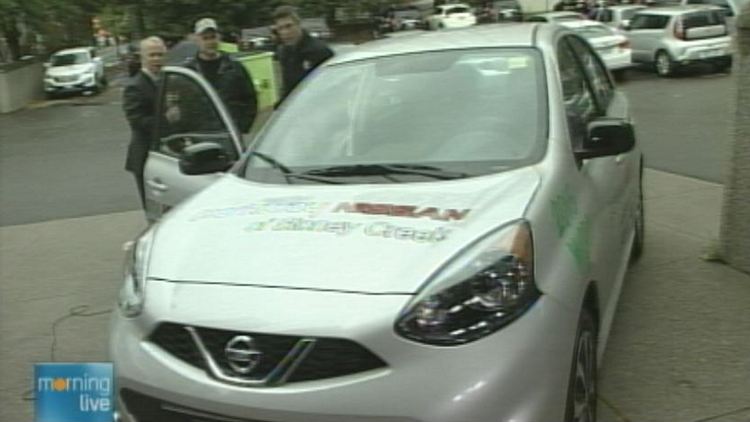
point(368, 239)
point(74, 69)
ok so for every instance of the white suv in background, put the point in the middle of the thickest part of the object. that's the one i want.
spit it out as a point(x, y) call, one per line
point(447, 16)
point(74, 70)
point(674, 37)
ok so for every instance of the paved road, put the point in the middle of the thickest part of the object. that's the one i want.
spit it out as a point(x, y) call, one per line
point(67, 160)
point(684, 123)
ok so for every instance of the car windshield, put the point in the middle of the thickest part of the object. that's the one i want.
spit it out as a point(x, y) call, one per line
point(474, 111)
point(594, 31)
point(69, 59)
point(456, 10)
point(628, 14)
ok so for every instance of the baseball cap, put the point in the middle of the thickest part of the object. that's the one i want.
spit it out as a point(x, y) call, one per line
point(205, 24)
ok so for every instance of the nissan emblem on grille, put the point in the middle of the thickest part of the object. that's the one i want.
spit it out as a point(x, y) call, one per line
point(242, 355)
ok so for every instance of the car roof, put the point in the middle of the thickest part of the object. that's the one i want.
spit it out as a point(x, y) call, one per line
point(446, 6)
point(627, 6)
point(580, 24)
point(558, 14)
point(74, 50)
point(677, 10)
point(482, 36)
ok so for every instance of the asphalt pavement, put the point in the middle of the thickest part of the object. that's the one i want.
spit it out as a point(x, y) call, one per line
point(65, 158)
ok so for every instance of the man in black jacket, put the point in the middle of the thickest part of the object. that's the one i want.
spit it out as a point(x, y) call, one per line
point(299, 53)
point(230, 78)
point(139, 103)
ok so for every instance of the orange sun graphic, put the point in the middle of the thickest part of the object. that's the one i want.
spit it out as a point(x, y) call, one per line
point(59, 384)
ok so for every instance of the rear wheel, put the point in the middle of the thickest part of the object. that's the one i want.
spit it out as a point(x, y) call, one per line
point(665, 67)
point(582, 387)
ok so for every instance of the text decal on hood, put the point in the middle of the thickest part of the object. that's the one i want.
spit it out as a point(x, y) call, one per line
point(402, 211)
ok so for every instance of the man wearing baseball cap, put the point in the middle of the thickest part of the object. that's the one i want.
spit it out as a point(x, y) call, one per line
point(231, 80)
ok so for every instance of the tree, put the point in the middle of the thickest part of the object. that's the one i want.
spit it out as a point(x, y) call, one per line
point(735, 227)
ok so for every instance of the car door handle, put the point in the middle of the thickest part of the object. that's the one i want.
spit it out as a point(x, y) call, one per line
point(156, 185)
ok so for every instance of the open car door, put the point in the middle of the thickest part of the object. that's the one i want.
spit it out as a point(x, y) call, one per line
point(189, 113)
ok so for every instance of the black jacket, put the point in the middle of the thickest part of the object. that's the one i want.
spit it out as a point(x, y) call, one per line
point(139, 103)
point(299, 60)
point(234, 84)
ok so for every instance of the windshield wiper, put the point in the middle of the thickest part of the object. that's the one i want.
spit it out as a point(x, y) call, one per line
point(287, 172)
point(385, 170)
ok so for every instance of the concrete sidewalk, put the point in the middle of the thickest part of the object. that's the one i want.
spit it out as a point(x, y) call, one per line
point(678, 350)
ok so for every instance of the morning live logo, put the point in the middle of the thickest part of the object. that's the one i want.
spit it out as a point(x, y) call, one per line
point(73, 392)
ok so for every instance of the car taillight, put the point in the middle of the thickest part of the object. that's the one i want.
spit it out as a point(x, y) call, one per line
point(679, 29)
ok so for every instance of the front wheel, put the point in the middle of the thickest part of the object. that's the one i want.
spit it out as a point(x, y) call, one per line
point(665, 67)
point(582, 387)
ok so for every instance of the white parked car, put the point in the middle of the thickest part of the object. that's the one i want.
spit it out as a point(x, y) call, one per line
point(617, 16)
point(74, 70)
point(430, 228)
point(731, 7)
point(675, 37)
point(613, 47)
point(448, 16)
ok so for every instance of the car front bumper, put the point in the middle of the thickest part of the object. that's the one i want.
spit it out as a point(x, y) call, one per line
point(81, 84)
point(520, 373)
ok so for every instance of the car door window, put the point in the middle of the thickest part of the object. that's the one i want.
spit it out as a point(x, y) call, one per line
point(580, 105)
point(595, 71)
point(188, 116)
point(644, 21)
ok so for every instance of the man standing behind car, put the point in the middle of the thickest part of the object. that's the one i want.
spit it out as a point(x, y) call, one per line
point(228, 77)
point(139, 103)
point(299, 53)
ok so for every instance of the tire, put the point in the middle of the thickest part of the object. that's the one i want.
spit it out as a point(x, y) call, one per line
point(723, 65)
point(665, 67)
point(582, 386)
point(640, 224)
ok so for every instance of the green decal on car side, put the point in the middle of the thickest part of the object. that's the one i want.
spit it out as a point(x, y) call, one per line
point(564, 210)
point(580, 245)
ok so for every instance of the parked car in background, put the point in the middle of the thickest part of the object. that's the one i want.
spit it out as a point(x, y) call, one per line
point(731, 7)
point(317, 27)
point(405, 19)
point(613, 48)
point(457, 15)
point(617, 16)
point(552, 17)
point(74, 70)
point(675, 37)
point(448, 244)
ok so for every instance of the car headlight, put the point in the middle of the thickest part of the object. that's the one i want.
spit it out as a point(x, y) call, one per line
point(483, 289)
point(133, 292)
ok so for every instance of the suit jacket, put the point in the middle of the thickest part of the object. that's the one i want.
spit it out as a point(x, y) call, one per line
point(139, 103)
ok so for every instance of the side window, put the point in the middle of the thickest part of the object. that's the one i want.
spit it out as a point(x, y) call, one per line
point(187, 116)
point(643, 21)
point(595, 71)
point(580, 107)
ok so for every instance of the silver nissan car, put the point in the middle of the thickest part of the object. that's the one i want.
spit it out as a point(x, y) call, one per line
point(433, 228)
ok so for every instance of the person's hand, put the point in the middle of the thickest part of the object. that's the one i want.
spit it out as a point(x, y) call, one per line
point(173, 114)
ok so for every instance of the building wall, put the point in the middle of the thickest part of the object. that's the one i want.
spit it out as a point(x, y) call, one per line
point(21, 85)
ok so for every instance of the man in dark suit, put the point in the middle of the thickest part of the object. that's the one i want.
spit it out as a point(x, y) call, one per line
point(139, 103)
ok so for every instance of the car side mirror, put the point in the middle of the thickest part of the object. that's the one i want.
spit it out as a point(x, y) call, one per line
point(607, 137)
point(204, 158)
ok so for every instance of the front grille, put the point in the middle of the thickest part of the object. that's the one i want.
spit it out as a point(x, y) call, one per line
point(149, 409)
point(66, 78)
point(329, 358)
